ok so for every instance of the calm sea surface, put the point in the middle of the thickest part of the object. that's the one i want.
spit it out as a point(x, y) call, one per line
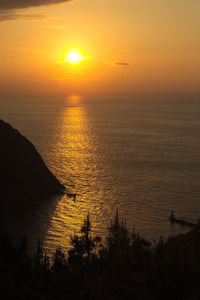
point(138, 153)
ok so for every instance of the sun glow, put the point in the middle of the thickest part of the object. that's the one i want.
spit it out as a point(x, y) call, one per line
point(74, 56)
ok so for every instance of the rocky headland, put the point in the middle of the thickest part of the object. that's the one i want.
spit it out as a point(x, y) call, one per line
point(22, 169)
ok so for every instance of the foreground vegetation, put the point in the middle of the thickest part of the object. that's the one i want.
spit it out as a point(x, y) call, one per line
point(125, 267)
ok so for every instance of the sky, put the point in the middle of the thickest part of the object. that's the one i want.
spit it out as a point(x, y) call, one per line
point(131, 46)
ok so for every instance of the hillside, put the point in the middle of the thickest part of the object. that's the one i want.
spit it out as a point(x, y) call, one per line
point(23, 170)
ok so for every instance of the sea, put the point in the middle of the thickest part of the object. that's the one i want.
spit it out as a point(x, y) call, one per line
point(138, 153)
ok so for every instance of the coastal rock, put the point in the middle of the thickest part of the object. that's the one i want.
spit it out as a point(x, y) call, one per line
point(22, 169)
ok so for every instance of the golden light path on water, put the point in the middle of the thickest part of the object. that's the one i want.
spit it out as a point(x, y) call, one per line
point(81, 167)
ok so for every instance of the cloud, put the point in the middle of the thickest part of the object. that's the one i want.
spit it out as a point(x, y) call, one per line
point(17, 4)
point(11, 16)
point(121, 64)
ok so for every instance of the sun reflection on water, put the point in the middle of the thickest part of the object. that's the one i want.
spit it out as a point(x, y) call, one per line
point(79, 165)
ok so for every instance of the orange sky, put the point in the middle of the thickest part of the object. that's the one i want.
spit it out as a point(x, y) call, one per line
point(133, 46)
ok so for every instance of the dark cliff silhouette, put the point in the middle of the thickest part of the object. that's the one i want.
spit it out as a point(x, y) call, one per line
point(22, 170)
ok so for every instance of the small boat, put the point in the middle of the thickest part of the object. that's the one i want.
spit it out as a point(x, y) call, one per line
point(69, 195)
point(179, 221)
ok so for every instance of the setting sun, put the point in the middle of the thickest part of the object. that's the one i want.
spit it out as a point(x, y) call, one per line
point(74, 56)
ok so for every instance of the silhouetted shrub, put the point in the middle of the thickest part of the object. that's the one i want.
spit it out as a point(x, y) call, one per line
point(84, 246)
point(125, 267)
